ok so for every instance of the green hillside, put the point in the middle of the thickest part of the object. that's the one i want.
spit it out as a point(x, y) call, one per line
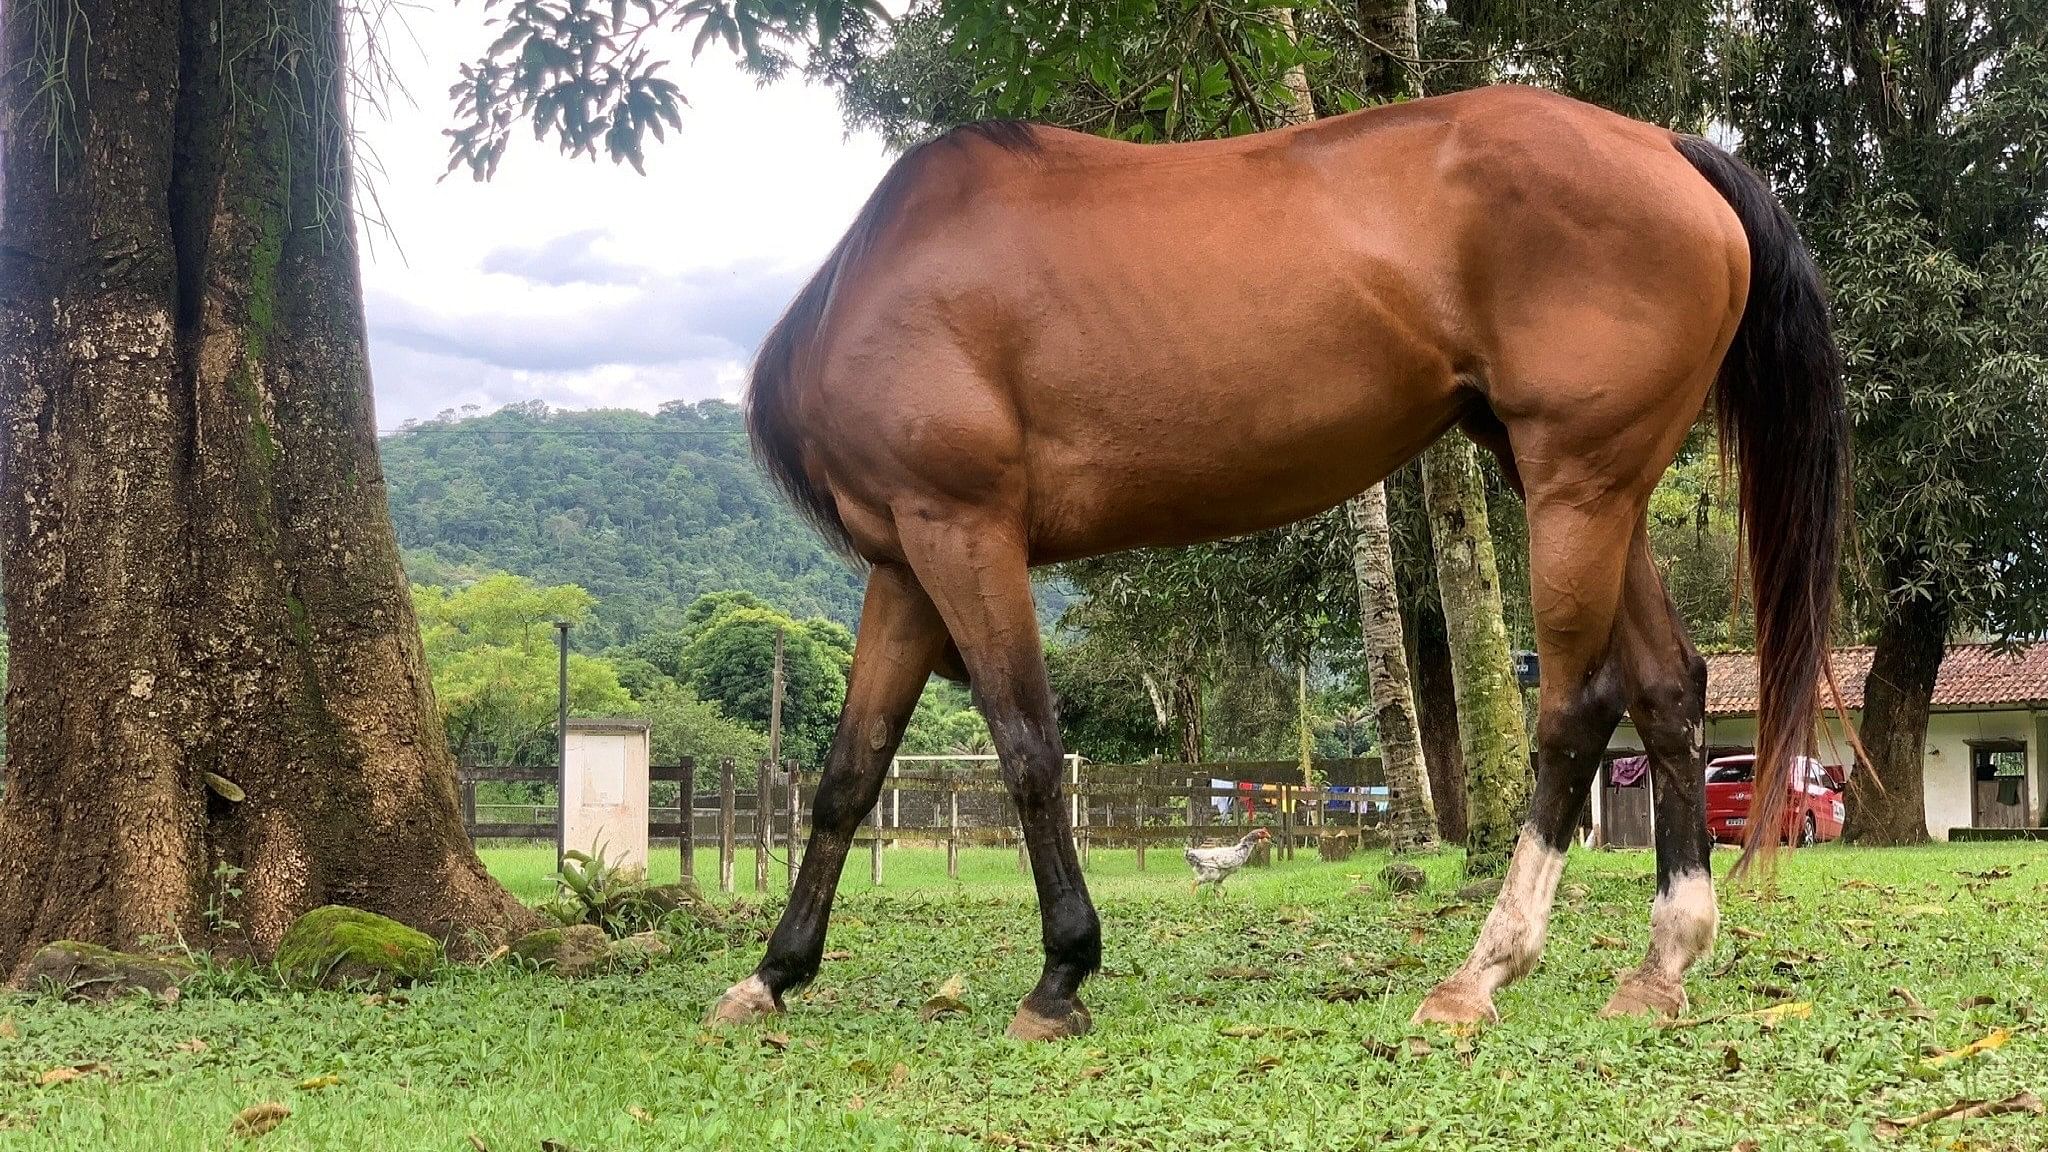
point(645, 511)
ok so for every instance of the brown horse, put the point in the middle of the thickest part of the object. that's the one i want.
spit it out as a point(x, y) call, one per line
point(1034, 345)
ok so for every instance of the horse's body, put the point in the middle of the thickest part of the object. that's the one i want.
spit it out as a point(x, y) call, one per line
point(1036, 345)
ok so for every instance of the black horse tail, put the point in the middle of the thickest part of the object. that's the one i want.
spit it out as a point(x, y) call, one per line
point(1785, 423)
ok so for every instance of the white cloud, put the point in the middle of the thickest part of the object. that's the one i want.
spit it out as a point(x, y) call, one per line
point(587, 284)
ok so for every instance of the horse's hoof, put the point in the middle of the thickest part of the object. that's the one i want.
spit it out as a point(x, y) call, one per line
point(1456, 1002)
point(1030, 1024)
point(1641, 995)
point(743, 1003)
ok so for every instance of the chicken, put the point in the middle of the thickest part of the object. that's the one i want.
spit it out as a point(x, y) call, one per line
point(1214, 865)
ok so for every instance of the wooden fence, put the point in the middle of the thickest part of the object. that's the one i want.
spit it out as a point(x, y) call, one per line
point(960, 801)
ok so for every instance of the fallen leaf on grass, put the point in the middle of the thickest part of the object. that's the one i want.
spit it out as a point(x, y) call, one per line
point(837, 954)
point(257, 1119)
point(319, 1083)
point(1970, 1002)
point(477, 1142)
point(899, 1075)
point(1381, 1049)
point(1923, 910)
point(640, 1114)
point(1243, 1031)
point(1779, 1013)
point(558, 1146)
point(2025, 1102)
point(1914, 1007)
point(950, 998)
point(195, 1044)
point(1240, 973)
point(1993, 1041)
point(1602, 940)
point(776, 1040)
point(1094, 1072)
point(1746, 933)
point(7, 1029)
point(71, 1072)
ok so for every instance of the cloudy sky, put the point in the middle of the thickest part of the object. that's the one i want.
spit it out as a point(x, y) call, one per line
point(589, 285)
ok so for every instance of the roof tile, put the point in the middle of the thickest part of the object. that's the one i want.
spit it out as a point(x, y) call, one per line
point(1972, 675)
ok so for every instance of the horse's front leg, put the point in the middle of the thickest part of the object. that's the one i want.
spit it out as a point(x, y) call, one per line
point(900, 640)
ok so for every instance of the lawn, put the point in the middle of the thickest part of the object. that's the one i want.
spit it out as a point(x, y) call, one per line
point(1272, 1018)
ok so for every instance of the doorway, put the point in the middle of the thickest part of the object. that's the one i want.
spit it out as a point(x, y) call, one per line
point(1999, 793)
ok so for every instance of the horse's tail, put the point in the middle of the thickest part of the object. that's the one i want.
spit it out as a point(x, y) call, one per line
point(771, 402)
point(1785, 423)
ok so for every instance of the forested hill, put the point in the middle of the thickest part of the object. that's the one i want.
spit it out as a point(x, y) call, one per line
point(644, 511)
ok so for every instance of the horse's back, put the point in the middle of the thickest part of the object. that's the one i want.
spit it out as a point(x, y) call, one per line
point(1155, 344)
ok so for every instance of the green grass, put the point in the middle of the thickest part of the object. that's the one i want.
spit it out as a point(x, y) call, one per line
point(1272, 1018)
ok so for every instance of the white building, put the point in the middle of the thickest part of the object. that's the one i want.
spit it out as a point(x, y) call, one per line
point(1987, 738)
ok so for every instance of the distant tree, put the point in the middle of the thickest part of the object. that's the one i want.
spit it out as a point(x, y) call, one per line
point(491, 650)
point(731, 659)
point(946, 723)
point(681, 725)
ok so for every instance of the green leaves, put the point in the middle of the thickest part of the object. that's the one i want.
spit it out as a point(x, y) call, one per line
point(584, 75)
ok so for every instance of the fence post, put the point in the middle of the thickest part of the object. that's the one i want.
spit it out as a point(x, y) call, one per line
point(875, 851)
point(1023, 854)
point(1138, 810)
point(1286, 822)
point(688, 786)
point(952, 829)
point(764, 826)
point(792, 846)
point(727, 817)
point(895, 795)
point(469, 803)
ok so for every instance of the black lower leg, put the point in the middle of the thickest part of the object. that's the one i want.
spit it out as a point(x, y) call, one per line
point(847, 790)
point(1070, 930)
point(1568, 747)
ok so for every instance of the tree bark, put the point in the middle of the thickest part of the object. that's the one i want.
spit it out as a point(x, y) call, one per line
point(1386, 660)
point(1436, 711)
point(1886, 800)
point(1490, 722)
point(215, 660)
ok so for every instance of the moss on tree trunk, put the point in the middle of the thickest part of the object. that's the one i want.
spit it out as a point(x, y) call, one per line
point(199, 563)
point(1495, 741)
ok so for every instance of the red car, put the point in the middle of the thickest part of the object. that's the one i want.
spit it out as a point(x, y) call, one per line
point(1813, 801)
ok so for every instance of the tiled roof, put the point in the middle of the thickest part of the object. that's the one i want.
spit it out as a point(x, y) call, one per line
point(1972, 676)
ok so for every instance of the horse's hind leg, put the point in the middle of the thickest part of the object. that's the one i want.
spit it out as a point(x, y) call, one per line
point(900, 641)
point(973, 563)
point(1578, 539)
point(1667, 684)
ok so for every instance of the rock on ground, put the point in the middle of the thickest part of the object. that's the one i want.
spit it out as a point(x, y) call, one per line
point(338, 946)
point(90, 972)
point(576, 950)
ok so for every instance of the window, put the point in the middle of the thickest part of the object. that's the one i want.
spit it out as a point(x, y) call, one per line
point(1999, 760)
point(1739, 772)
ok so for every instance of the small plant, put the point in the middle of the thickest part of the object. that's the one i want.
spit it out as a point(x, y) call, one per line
point(593, 890)
point(224, 891)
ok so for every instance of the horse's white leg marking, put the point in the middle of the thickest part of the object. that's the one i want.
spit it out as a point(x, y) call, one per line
point(744, 1002)
point(1509, 943)
point(1683, 923)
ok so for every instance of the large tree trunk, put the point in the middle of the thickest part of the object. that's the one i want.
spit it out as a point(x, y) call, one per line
point(1386, 661)
point(1887, 799)
point(1436, 708)
point(1490, 722)
point(215, 663)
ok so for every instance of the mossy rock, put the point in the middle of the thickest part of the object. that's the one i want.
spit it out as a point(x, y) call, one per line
point(337, 946)
point(663, 899)
point(638, 950)
point(1481, 890)
point(577, 950)
point(90, 972)
point(1404, 877)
